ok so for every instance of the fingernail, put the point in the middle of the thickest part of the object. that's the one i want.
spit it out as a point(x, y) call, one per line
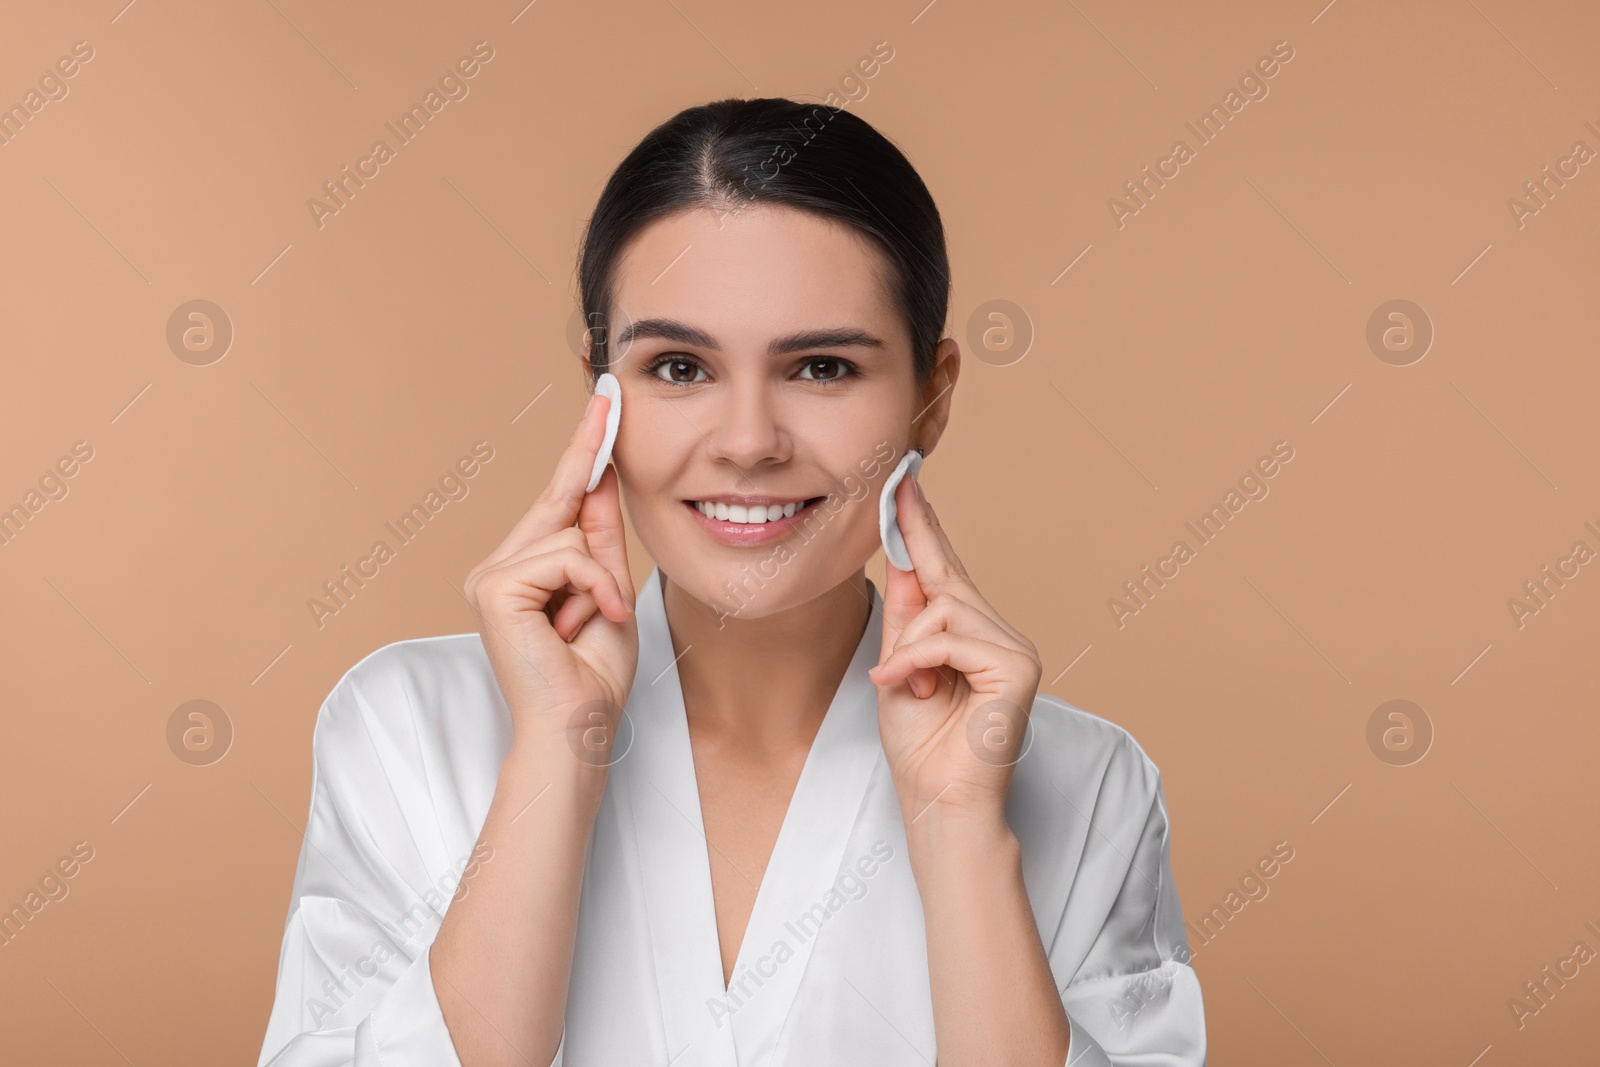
point(590, 406)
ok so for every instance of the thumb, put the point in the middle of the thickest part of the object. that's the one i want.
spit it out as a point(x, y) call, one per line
point(600, 519)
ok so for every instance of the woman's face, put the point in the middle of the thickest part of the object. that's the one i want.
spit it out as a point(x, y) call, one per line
point(762, 366)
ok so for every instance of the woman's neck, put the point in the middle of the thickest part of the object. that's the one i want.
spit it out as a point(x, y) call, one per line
point(765, 683)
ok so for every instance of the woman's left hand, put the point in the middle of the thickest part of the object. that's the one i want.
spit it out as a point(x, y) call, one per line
point(955, 681)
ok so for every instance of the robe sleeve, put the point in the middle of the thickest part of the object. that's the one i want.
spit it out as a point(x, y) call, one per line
point(1135, 999)
point(373, 879)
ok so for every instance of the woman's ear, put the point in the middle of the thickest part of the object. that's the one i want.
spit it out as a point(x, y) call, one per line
point(937, 395)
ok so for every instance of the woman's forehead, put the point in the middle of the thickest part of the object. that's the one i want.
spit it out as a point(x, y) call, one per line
point(752, 274)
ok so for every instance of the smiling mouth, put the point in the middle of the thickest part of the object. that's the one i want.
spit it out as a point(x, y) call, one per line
point(752, 513)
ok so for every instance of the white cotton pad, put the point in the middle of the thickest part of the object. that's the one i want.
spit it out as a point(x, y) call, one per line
point(894, 543)
point(609, 387)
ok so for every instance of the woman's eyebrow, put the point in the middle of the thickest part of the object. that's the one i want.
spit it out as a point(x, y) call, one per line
point(684, 334)
point(832, 337)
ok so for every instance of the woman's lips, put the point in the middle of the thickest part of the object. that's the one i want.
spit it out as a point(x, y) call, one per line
point(741, 534)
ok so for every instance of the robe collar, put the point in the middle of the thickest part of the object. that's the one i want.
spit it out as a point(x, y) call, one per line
point(657, 791)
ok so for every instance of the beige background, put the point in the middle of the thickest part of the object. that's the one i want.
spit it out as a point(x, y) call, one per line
point(1228, 314)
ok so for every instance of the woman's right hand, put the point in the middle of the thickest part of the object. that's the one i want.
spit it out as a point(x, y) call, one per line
point(554, 605)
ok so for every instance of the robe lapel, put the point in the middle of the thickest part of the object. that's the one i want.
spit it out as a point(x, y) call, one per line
point(797, 892)
point(705, 1024)
point(656, 785)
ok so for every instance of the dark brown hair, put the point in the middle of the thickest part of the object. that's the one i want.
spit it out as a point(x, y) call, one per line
point(817, 158)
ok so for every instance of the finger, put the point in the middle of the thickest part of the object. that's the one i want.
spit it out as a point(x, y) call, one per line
point(903, 601)
point(557, 506)
point(567, 537)
point(931, 560)
point(979, 660)
point(530, 584)
point(600, 519)
point(943, 612)
point(572, 608)
point(924, 679)
point(947, 612)
point(574, 611)
point(604, 538)
point(939, 568)
point(599, 535)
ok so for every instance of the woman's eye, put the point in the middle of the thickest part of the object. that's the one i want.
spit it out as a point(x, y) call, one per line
point(678, 371)
point(824, 370)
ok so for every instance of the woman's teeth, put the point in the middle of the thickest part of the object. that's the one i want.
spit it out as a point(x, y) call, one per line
point(742, 514)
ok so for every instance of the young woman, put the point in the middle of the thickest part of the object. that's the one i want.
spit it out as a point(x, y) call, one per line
point(761, 812)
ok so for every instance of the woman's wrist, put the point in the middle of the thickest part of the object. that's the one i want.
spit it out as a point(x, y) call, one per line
point(544, 770)
point(954, 843)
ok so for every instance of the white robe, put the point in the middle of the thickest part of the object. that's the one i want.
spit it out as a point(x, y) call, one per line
point(833, 969)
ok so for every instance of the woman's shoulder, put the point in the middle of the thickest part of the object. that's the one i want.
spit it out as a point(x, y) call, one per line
point(419, 662)
point(1072, 745)
point(1086, 804)
point(414, 700)
point(1082, 777)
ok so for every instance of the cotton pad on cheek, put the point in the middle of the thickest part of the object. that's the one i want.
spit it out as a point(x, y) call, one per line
point(894, 543)
point(609, 387)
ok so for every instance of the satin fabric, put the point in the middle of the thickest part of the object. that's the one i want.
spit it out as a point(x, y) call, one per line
point(833, 968)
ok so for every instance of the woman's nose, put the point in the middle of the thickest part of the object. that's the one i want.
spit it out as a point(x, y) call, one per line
point(748, 430)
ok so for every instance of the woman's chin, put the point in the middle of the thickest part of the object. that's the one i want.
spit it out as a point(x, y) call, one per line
point(755, 589)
